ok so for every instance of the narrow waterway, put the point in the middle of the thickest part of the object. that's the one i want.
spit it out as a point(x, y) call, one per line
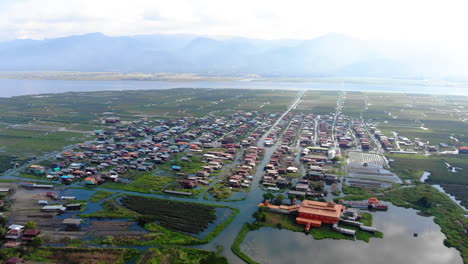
point(426, 175)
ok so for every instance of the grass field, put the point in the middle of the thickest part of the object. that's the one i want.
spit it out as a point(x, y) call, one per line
point(24, 143)
point(144, 182)
point(318, 102)
point(412, 167)
point(178, 255)
point(6, 162)
point(441, 116)
point(72, 255)
point(100, 195)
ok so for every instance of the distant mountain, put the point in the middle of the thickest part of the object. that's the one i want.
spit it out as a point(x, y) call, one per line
point(329, 55)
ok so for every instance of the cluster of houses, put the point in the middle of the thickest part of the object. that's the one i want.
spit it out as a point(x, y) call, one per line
point(98, 162)
point(279, 166)
point(213, 161)
point(307, 133)
point(385, 141)
point(316, 159)
point(17, 235)
point(240, 176)
point(324, 131)
point(141, 145)
point(360, 132)
point(282, 163)
point(275, 133)
point(342, 132)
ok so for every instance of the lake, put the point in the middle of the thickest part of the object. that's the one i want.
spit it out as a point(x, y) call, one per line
point(14, 87)
point(268, 245)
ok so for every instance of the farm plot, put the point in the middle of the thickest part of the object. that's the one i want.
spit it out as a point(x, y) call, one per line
point(433, 118)
point(181, 255)
point(370, 159)
point(26, 143)
point(115, 229)
point(179, 216)
point(80, 255)
point(318, 102)
point(354, 104)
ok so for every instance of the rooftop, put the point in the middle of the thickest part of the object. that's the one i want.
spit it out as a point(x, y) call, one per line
point(329, 209)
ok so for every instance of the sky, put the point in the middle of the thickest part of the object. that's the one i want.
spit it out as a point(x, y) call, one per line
point(434, 22)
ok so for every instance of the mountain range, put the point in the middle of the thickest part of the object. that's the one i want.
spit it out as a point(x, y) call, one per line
point(328, 55)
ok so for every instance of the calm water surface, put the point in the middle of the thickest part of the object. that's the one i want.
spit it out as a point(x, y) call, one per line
point(13, 87)
point(268, 245)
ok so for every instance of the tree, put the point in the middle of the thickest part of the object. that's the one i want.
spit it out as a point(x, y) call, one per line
point(259, 216)
point(318, 187)
point(279, 199)
point(268, 196)
point(66, 240)
point(109, 240)
point(37, 242)
point(425, 201)
point(292, 198)
point(145, 219)
point(30, 225)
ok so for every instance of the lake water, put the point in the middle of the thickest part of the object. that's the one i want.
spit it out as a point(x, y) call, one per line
point(13, 87)
point(268, 245)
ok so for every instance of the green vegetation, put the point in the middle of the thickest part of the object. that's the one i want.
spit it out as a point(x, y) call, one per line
point(366, 219)
point(220, 192)
point(412, 167)
point(318, 102)
point(164, 236)
point(180, 216)
point(100, 195)
point(72, 255)
point(145, 182)
point(441, 116)
point(239, 239)
point(26, 143)
point(448, 215)
point(6, 162)
point(178, 255)
point(158, 236)
point(218, 229)
point(161, 236)
point(186, 167)
point(358, 191)
point(111, 209)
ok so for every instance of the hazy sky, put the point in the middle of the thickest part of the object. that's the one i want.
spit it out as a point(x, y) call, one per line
point(437, 22)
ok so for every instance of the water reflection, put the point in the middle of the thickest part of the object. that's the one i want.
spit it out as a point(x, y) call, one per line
point(269, 245)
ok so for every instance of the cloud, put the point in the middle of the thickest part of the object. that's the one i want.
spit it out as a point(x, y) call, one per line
point(436, 22)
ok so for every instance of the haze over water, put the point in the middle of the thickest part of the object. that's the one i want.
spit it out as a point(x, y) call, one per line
point(14, 87)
